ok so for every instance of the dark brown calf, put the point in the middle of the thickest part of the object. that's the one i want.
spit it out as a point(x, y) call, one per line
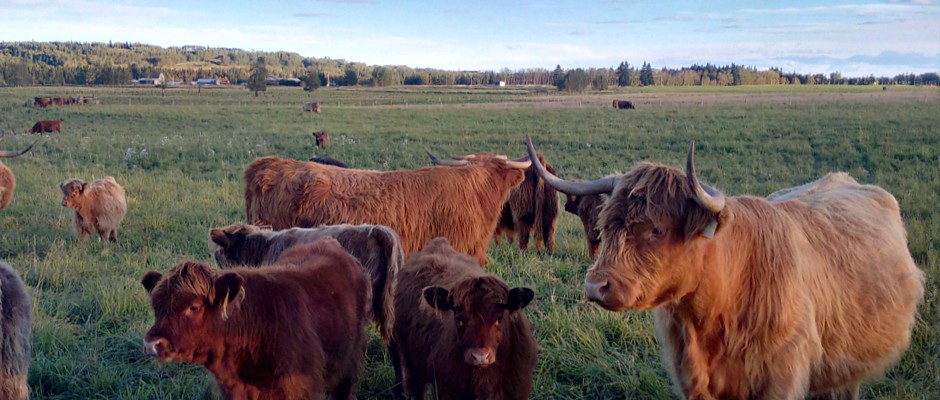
point(588, 209)
point(291, 331)
point(15, 321)
point(531, 205)
point(322, 139)
point(47, 126)
point(460, 329)
point(623, 105)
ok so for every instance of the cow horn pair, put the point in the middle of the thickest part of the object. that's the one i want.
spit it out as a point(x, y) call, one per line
point(11, 153)
point(707, 197)
point(520, 163)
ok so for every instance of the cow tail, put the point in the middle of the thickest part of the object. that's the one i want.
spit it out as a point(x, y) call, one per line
point(383, 291)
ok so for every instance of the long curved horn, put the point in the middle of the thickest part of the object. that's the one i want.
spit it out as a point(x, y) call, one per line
point(706, 196)
point(603, 185)
point(9, 153)
point(453, 163)
point(518, 164)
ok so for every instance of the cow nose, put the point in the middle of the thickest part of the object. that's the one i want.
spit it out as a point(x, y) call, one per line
point(480, 357)
point(596, 287)
point(153, 347)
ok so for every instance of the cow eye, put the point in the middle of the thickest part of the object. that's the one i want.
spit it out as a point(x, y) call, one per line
point(195, 308)
point(656, 233)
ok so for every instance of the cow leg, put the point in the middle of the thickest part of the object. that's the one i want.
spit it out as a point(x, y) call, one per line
point(523, 228)
point(398, 391)
point(112, 236)
point(13, 386)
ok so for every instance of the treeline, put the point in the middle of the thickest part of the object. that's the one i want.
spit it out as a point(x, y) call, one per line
point(74, 63)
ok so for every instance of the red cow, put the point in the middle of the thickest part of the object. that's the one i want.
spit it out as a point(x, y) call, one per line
point(812, 289)
point(460, 329)
point(289, 331)
point(7, 179)
point(47, 126)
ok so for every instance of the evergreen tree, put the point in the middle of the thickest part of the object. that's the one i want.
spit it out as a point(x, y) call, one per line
point(646, 75)
point(558, 76)
point(624, 74)
point(258, 78)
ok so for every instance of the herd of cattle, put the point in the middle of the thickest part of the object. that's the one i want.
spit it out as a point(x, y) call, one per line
point(61, 101)
point(811, 289)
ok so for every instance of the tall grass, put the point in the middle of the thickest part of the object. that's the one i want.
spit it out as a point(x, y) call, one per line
point(180, 159)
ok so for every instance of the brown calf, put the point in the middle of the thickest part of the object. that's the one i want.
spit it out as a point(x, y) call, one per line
point(811, 290)
point(289, 331)
point(322, 139)
point(376, 247)
point(460, 329)
point(531, 205)
point(7, 180)
point(99, 206)
point(588, 209)
point(15, 328)
point(623, 105)
point(47, 126)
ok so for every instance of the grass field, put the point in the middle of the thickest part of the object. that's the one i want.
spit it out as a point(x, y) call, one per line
point(180, 158)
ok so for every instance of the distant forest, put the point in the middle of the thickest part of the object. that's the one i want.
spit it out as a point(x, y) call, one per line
point(73, 63)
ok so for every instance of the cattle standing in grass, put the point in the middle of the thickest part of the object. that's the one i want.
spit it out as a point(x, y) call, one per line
point(322, 139)
point(7, 180)
point(376, 247)
point(531, 205)
point(418, 204)
point(327, 160)
point(289, 331)
point(312, 107)
point(460, 329)
point(15, 326)
point(47, 126)
point(811, 290)
point(623, 105)
point(43, 102)
point(99, 206)
point(588, 209)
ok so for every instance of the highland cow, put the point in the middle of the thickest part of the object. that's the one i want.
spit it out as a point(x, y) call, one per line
point(7, 179)
point(533, 205)
point(99, 206)
point(15, 329)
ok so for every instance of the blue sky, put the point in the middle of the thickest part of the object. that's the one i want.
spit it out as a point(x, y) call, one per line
point(856, 38)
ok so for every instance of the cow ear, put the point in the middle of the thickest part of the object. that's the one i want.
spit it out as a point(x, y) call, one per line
point(438, 298)
point(150, 280)
point(229, 292)
point(519, 298)
point(219, 237)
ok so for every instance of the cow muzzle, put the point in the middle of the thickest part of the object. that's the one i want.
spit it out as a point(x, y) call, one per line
point(479, 357)
point(157, 347)
point(607, 292)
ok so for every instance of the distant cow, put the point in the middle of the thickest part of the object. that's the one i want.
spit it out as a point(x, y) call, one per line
point(99, 206)
point(43, 101)
point(15, 329)
point(7, 180)
point(418, 204)
point(290, 331)
point(47, 126)
point(376, 247)
point(322, 139)
point(810, 290)
point(588, 209)
point(623, 105)
point(312, 107)
point(531, 205)
point(327, 160)
point(460, 329)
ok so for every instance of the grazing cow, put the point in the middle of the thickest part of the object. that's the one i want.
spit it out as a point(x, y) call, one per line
point(289, 331)
point(460, 329)
point(99, 206)
point(623, 105)
point(59, 101)
point(531, 205)
point(322, 139)
point(7, 180)
point(812, 290)
point(15, 328)
point(418, 204)
point(376, 247)
point(588, 209)
point(43, 101)
point(312, 107)
point(327, 160)
point(47, 126)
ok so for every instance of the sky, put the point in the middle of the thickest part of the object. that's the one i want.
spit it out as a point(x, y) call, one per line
point(853, 37)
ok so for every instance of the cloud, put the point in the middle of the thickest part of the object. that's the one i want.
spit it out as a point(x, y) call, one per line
point(311, 15)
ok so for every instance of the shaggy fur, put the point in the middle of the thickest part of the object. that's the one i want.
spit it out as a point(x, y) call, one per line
point(459, 203)
point(99, 206)
point(810, 291)
point(322, 139)
point(290, 331)
point(460, 329)
point(588, 209)
point(7, 180)
point(15, 323)
point(47, 126)
point(376, 247)
point(531, 205)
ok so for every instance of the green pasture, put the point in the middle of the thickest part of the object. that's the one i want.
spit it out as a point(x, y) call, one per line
point(180, 158)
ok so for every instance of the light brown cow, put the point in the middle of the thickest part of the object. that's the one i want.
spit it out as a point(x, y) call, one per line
point(377, 248)
point(322, 139)
point(812, 290)
point(418, 204)
point(7, 180)
point(533, 205)
point(15, 326)
point(99, 206)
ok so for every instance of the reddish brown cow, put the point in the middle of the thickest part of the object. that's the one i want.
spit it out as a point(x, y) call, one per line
point(588, 209)
point(47, 126)
point(322, 139)
point(43, 101)
point(460, 329)
point(418, 204)
point(7, 180)
point(99, 206)
point(289, 331)
point(376, 247)
point(15, 326)
point(531, 205)
point(812, 290)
